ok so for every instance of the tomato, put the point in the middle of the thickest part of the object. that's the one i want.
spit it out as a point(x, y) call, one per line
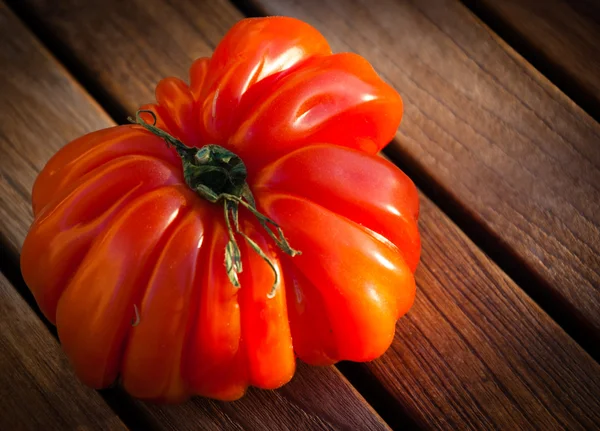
point(126, 253)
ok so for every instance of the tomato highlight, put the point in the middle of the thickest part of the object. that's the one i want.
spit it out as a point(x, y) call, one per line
point(244, 220)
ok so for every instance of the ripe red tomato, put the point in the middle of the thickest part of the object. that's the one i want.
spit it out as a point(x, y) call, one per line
point(119, 235)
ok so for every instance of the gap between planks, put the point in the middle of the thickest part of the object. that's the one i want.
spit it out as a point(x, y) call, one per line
point(557, 37)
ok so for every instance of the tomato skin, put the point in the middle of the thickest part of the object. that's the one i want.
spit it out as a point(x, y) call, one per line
point(168, 298)
point(128, 261)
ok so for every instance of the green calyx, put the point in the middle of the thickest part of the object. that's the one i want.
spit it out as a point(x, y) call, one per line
point(218, 175)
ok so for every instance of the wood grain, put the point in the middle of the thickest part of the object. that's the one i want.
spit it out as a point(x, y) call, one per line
point(42, 109)
point(497, 139)
point(559, 37)
point(46, 109)
point(474, 353)
point(311, 401)
point(38, 389)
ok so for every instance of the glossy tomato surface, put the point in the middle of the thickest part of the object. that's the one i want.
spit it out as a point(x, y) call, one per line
point(128, 261)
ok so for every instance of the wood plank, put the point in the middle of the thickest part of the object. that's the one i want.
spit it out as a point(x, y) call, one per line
point(489, 134)
point(475, 352)
point(558, 37)
point(47, 108)
point(42, 108)
point(313, 400)
point(38, 389)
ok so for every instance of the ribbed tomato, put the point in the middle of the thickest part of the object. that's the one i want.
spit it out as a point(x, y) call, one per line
point(126, 254)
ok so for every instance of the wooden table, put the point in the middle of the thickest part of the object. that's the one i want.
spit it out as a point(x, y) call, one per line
point(500, 134)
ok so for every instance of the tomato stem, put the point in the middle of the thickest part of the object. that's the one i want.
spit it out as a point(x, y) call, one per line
point(217, 174)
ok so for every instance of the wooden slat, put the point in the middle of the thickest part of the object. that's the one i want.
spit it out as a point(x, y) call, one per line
point(41, 109)
point(37, 387)
point(313, 400)
point(486, 128)
point(475, 352)
point(559, 37)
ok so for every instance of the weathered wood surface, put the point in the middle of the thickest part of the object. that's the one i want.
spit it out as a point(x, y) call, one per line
point(475, 352)
point(559, 37)
point(315, 399)
point(38, 389)
point(42, 108)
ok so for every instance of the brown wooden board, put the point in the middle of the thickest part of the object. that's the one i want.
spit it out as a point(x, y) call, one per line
point(475, 352)
point(38, 389)
point(313, 400)
point(561, 38)
point(515, 158)
point(42, 108)
point(501, 141)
